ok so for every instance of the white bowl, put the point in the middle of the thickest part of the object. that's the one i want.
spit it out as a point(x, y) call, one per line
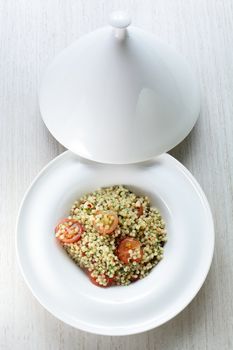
point(64, 290)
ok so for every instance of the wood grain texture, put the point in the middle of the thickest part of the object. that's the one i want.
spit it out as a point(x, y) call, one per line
point(31, 33)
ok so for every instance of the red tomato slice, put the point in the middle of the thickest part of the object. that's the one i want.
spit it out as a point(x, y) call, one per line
point(69, 230)
point(110, 281)
point(93, 280)
point(106, 221)
point(125, 246)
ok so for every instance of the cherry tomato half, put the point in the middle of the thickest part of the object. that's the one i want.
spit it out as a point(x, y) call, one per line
point(110, 281)
point(125, 246)
point(69, 230)
point(106, 221)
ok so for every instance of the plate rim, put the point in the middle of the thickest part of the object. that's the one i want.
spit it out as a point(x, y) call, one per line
point(118, 331)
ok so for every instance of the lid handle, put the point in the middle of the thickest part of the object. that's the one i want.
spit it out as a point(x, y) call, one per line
point(119, 20)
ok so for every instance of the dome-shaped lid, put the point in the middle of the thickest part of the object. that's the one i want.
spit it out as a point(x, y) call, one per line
point(119, 95)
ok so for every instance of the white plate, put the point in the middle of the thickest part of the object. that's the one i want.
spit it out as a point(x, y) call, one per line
point(64, 290)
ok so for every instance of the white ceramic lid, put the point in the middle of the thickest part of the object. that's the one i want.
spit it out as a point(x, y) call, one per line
point(119, 95)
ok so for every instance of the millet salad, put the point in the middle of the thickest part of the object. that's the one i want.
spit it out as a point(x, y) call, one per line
point(115, 236)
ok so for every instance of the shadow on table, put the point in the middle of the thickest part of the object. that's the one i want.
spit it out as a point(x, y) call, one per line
point(182, 150)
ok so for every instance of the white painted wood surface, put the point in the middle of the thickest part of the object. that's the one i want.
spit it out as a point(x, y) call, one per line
point(31, 33)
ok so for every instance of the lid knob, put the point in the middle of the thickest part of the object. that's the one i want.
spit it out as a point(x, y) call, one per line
point(119, 20)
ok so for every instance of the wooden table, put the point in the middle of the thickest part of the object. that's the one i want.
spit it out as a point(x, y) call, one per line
point(31, 34)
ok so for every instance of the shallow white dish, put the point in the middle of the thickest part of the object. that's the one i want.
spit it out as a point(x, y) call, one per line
point(64, 290)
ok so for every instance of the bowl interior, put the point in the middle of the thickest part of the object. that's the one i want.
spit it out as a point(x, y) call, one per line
point(116, 294)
